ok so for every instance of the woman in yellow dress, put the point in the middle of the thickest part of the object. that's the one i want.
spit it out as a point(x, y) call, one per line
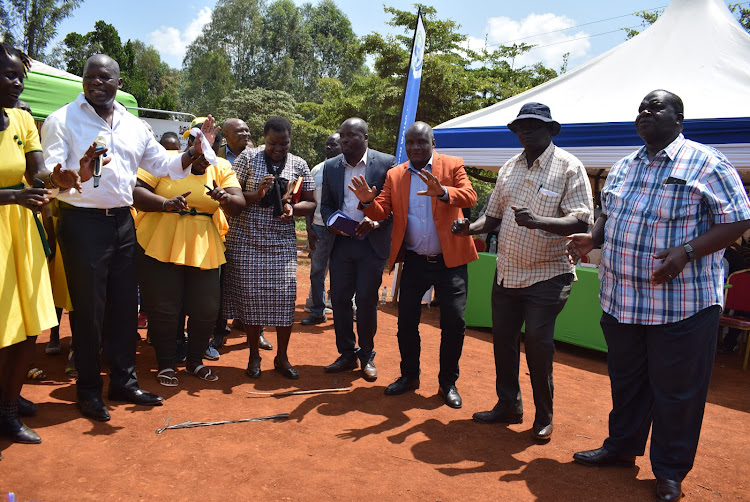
point(26, 305)
point(180, 228)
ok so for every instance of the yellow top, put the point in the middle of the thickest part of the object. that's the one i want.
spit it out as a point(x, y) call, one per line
point(192, 240)
point(27, 307)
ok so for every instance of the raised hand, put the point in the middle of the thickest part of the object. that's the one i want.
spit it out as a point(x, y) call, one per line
point(434, 188)
point(178, 203)
point(209, 131)
point(363, 192)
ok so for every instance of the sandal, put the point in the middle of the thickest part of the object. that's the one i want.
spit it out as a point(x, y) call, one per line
point(204, 373)
point(70, 368)
point(36, 374)
point(166, 379)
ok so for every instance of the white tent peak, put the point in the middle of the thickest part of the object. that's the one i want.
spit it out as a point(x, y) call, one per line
point(696, 49)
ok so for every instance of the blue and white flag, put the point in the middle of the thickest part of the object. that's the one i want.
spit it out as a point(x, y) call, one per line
point(411, 93)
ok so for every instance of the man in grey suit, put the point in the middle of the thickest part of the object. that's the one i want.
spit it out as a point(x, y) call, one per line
point(356, 265)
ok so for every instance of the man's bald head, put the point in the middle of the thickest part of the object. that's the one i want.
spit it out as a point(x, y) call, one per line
point(104, 61)
point(419, 142)
point(237, 134)
point(421, 128)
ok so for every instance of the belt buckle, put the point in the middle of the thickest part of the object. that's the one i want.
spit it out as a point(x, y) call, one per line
point(431, 258)
point(106, 212)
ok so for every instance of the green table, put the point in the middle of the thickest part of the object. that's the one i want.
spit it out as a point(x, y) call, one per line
point(577, 324)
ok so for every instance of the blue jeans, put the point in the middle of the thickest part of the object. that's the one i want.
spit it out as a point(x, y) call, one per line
point(319, 269)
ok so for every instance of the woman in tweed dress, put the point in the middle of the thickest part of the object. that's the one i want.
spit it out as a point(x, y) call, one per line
point(260, 287)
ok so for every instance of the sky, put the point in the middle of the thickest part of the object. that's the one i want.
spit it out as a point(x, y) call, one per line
point(582, 28)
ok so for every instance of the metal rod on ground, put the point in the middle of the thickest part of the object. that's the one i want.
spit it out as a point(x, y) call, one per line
point(189, 425)
point(298, 392)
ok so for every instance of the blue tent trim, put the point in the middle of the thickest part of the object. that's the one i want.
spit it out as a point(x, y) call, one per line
point(707, 131)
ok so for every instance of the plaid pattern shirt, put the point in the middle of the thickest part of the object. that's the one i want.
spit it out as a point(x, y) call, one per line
point(655, 205)
point(555, 185)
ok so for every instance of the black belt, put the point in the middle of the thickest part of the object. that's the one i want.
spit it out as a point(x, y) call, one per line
point(429, 258)
point(112, 211)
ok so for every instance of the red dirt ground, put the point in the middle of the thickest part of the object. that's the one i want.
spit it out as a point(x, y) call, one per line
point(359, 444)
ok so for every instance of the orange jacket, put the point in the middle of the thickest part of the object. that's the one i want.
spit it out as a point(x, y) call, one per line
point(457, 250)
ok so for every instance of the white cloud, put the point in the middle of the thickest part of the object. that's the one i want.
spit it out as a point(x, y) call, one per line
point(172, 43)
point(539, 30)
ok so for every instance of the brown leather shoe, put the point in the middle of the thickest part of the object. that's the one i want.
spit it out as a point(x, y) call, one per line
point(667, 489)
point(370, 372)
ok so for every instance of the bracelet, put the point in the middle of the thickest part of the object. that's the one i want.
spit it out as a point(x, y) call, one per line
point(49, 178)
point(164, 205)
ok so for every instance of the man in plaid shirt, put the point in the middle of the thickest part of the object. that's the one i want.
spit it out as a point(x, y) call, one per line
point(541, 196)
point(668, 211)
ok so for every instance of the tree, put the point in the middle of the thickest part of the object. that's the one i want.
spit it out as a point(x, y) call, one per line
point(649, 17)
point(150, 80)
point(32, 24)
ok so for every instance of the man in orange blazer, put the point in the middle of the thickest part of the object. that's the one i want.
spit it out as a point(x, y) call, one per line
point(425, 195)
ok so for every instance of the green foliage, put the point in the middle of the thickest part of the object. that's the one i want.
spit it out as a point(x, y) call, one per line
point(32, 24)
point(150, 80)
point(647, 19)
point(743, 15)
point(279, 45)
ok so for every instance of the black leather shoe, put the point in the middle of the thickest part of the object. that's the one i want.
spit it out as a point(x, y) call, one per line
point(313, 319)
point(666, 489)
point(253, 371)
point(26, 408)
point(13, 428)
point(136, 396)
point(289, 372)
point(542, 433)
point(603, 458)
point(401, 385)
point(450, 396)
point(342, 364)
point(94, 408)
point(263, 343)
point(495, 416)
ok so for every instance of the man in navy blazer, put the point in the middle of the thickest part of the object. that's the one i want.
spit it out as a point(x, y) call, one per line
point(356, 265)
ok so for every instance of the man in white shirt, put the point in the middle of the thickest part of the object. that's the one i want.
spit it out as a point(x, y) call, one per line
point(320, 241)
point(96, 232)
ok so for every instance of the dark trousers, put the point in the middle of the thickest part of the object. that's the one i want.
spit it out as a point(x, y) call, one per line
point(99, 256)
point(450, 286)
point(538, 306)
point(659, 376)
point(355, 269)
point(170, 292)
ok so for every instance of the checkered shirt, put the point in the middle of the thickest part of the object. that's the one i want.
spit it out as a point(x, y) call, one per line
point(556, 185)
point(650, 209)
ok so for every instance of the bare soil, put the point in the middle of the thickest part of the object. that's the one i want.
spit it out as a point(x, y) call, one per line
point(358, 444)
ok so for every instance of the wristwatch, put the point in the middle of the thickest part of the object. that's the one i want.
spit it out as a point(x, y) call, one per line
point(689, 251)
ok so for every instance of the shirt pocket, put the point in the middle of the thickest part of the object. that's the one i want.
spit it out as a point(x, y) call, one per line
point(674, 202)
point(546, 202)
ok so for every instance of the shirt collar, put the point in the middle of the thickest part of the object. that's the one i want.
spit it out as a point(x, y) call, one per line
point(362, 160)
point(427, 167)
point(544, 158)
point(81, 102)
point(670, 150)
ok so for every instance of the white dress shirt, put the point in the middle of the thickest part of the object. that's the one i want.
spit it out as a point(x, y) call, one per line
point(67, 134)
point(351, 202)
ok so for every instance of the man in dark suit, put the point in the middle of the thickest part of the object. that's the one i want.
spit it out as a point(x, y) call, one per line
point(356, 264)
point(425, 195)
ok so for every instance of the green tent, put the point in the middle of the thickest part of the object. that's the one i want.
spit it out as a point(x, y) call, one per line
point(47, 89)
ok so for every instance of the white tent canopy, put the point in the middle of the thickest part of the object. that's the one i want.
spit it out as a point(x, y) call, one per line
point(696, 49)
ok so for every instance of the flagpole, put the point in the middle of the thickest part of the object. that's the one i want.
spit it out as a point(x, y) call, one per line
point(399, 137)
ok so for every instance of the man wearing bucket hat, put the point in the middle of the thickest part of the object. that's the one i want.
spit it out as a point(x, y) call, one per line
point(541, 196)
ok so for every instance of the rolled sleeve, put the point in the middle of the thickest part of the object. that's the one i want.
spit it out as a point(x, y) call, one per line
point(578, 200)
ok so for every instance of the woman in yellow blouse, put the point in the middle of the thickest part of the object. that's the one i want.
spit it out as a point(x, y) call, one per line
point(27, 307)
point(180, 228)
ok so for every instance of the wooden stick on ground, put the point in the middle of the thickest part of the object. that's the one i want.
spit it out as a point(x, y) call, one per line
point(298, 392)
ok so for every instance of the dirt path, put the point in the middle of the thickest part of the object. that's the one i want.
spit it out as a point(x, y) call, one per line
point(355, 445)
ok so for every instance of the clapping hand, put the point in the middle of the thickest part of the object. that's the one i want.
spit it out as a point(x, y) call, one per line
point(434, 188)
point(67, 179)
point(460, 227)
point(364, 193)
point(209, 131)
